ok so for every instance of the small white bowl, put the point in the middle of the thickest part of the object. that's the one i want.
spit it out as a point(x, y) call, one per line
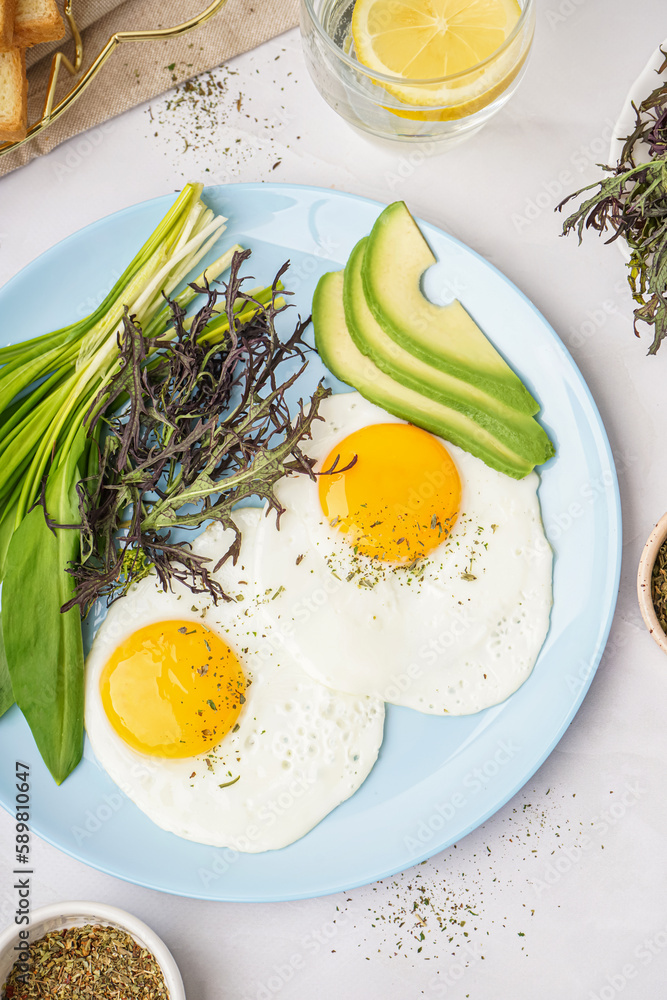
point(644, 574)
point(77, 914)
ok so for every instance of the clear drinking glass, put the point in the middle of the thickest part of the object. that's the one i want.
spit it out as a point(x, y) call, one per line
point(392, 107)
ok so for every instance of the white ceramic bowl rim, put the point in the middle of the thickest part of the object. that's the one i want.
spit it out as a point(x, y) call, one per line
point(80, 912)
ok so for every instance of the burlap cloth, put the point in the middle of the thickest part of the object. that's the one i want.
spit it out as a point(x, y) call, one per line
point(137, 71)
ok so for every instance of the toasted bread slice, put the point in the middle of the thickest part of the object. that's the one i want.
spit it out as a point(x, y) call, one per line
point(13, 95)
point(37, 21)
point(7, 15)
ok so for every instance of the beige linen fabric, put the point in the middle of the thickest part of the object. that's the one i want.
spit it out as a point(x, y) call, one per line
point(137, 71)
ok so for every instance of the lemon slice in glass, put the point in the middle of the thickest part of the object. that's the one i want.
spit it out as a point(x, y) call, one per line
point(432, 39)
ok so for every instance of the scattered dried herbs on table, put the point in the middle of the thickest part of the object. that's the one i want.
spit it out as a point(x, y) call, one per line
point(78, 963)
point(659, 586)
point(632, 204)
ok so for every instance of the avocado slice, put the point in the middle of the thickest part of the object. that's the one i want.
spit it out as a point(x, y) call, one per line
point(519, 431)
point(445, 337)
point(344, 359)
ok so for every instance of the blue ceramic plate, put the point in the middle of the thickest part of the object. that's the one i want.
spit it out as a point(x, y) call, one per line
point(436, 778)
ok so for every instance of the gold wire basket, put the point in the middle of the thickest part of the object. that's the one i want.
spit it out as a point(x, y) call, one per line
point(51, 111)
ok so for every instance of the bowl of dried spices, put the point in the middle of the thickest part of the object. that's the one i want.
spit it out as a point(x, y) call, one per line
point(82, 950)
point(652, 583)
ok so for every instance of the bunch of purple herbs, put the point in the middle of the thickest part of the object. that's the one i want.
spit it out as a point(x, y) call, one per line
point(199, 423)
point(632, 203)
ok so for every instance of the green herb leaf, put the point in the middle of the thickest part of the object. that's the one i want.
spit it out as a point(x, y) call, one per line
point(47, 675)
point(228, 783)
point(6, 693)
point(7, 524)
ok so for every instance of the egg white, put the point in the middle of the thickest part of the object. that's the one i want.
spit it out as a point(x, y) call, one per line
point(458, 634)
point(300, 749)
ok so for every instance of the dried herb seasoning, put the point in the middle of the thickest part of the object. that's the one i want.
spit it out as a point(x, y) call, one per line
point(91, 961)
point(632, 204)
point(659, 586)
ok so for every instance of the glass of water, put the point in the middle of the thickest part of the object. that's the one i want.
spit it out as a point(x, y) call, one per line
point(392, 106)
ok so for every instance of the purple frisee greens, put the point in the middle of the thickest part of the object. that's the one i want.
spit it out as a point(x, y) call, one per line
point(204, 425)
point(632, 203)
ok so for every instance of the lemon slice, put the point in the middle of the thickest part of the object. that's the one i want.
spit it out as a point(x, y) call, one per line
point(431, 39)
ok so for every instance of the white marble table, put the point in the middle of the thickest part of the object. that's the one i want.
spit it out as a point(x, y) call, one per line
point(563, 893)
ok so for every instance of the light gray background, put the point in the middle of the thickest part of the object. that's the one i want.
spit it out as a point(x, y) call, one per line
point(564, 892)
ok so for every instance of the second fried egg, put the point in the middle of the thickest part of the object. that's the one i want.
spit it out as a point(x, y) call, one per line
point(410, 570)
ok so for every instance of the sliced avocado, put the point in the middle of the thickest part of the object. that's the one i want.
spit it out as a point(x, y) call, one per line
point(519, 431)
point(443, 336)
point(344, 359)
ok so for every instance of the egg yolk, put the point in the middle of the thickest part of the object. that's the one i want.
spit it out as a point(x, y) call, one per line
point(401, 497)
point(173, 689)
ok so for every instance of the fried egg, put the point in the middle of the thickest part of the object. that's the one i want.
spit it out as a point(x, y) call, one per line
point(214, 738)
point(407, 569)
